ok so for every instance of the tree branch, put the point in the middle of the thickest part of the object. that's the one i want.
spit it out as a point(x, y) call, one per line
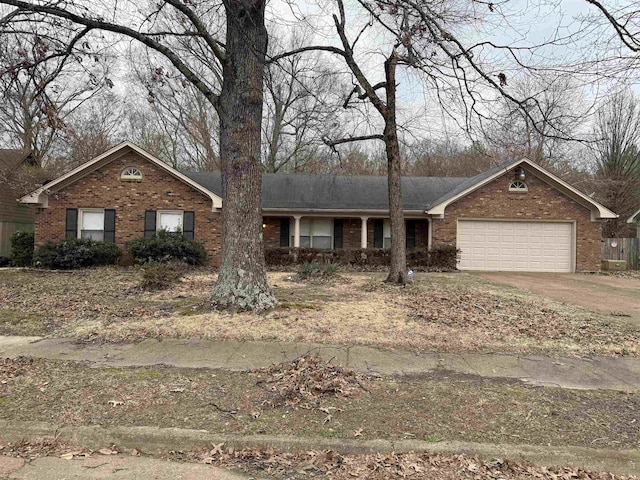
point(189, 74)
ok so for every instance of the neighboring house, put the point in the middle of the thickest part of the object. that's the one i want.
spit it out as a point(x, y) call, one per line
point(635, 218)
point(14, 216)
point(513, 217)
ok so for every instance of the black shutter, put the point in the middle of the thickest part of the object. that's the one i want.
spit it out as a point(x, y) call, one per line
point(411, 234)
point(110, 226)
point(149, 223)
point(71, 223)
point(284, 232)
point(378, 233)
point(338, 232)
point(188, 225)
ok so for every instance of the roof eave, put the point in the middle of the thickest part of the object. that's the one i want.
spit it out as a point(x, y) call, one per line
point(634, 218)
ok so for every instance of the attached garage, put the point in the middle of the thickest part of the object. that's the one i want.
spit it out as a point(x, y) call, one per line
point(511, 245)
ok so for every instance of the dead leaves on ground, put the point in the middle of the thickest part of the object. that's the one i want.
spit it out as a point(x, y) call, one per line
point(330, 464)
point(496, 316)
point(306, 380)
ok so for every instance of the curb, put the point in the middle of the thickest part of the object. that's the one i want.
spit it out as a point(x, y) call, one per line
point(152, 440)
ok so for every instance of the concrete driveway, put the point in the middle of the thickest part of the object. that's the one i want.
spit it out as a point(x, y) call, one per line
point(600, 293)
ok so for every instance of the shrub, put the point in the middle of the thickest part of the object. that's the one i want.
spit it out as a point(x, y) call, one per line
point(444, 257)
point(316, 270)
point(22, 249)
point(4, 261)
point(439, 258)
point(164, 247)
point(75, 253)
point(160, 276)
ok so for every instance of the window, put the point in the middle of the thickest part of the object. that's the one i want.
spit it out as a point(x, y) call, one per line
point(131, 173)
point(314, 233)
point(97, 224)
point(92, 225)
point(518, 186)
point(387, 234)
point(171, 221)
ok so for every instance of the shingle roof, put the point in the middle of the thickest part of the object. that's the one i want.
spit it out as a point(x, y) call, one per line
point(326, 192)
point(10, 158)
point(467, 183)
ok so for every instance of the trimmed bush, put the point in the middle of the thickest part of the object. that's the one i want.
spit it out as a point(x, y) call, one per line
point(75, 253)
point(22, 249)
point(444, 257)
point(439, 258)
point(4, 261)
point(164, 247)
point(160, 276)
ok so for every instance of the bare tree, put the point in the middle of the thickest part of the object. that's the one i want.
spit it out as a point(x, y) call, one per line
point(175, 122)
point(297, 107)
point(617, 159)
point(233, 85)
point(540, 134)
point(40, 89)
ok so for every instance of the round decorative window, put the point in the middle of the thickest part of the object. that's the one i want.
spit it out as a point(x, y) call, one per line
point(131, 173)
point(518, 186)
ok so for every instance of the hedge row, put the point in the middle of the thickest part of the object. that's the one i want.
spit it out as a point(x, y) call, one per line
point(79, 253)
point(440, 257)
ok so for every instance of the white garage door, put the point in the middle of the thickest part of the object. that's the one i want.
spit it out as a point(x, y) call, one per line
point(515, 246)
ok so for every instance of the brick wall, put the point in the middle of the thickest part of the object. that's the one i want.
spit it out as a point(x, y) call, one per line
point(157, 190)
point(540, 202)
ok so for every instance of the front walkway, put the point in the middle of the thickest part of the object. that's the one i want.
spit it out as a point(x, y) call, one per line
point(615, 373)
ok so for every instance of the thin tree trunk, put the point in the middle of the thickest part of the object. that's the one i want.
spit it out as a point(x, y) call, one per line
point(242, 279)
point(398, 268)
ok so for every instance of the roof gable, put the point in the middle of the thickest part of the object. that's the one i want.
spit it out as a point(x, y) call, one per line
point(598, 211)
point(40, 196)
point(635, 218)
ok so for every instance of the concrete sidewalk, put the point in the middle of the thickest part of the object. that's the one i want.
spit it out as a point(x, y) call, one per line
point(616, 373)
point(120, 467)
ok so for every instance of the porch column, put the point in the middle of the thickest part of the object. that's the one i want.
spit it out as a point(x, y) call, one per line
point(296, 232)
point(363, 232)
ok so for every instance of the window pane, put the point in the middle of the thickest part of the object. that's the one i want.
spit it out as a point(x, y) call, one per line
point(305, 241)
point(387, 230)
point(92, 220)
point(97, 235)
point(305, 227)
point(171, 222)
point(321, 242)
point(322, 227)
point(387, 242)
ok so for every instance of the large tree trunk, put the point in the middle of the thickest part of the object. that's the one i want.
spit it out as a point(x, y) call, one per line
point(398, 268)
point(242, 279)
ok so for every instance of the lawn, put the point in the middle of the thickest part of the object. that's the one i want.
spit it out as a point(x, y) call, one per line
point(447, 312)
point(317, 399)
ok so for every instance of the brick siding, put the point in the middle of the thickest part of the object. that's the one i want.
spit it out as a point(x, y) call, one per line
point(157, 190)
point(540, 202)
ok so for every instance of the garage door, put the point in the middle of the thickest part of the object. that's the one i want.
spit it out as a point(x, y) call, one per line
point(515, 246)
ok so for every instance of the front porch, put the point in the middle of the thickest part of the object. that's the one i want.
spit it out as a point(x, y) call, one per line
point(308, 231)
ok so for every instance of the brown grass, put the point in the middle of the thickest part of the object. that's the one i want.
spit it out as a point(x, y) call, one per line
point(445, 312)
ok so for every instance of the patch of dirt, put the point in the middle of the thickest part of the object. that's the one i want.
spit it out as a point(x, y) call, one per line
point(433, 407)
point(596, 292)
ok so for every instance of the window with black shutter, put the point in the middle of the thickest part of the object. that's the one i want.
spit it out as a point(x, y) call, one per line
point(284, 232)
